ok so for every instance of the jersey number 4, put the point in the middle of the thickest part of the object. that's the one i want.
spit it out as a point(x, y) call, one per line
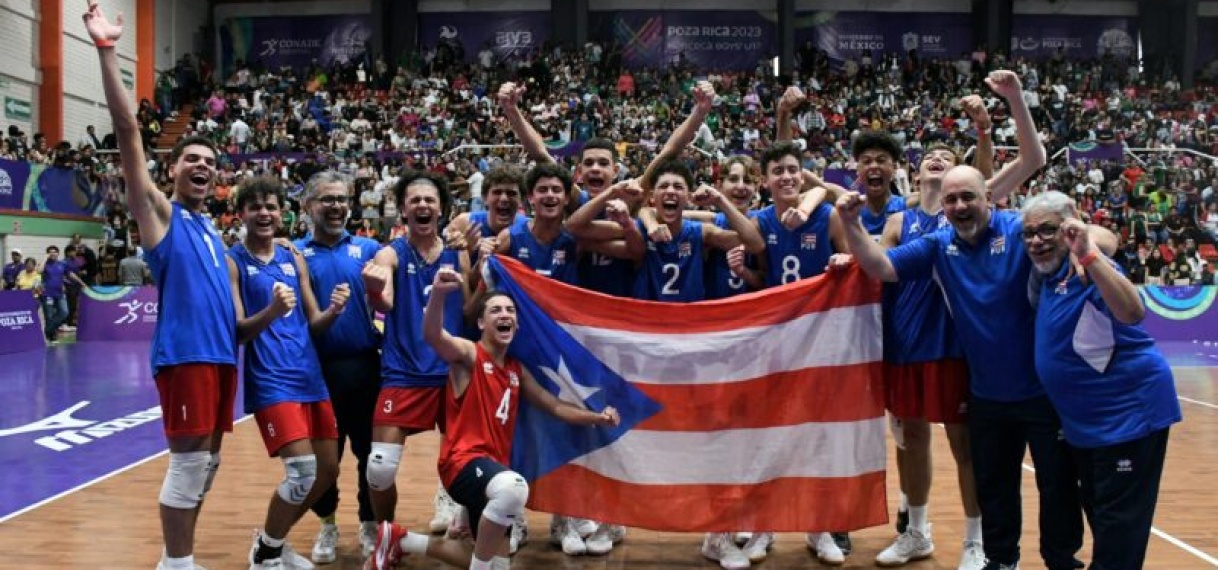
point(505, 407)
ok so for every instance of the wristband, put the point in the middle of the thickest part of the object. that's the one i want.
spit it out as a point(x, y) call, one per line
point(1089, 258)
point(104, 43)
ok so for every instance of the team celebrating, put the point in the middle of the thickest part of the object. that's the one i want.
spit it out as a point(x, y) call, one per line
point(1012, 329)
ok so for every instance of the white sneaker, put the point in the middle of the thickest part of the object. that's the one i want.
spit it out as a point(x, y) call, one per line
point(720, 548)
point(367, 537)
point(564, 533)
point(758, 546)
point(519, 536)
point(586, 527)
point(826, 550)
point(973, 556)
point(910, 545)
point(293, 560)
point(325, 546)
point(445, 507)
point(161, 565)
point(601, 541)
point(742, 537)
point(617, 532)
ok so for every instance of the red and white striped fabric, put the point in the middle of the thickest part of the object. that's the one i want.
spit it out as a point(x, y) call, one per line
point(772, 413)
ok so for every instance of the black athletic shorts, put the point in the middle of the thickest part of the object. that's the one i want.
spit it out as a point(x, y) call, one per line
point(469, 488)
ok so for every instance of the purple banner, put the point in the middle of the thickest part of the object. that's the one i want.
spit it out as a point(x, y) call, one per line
point(508, 34)
point(709, 40)
point(1181, 314)
point(40, 188)
point(117, 313)
point(1077, 37)
point(851, 35)
point(294, 41)
point(20, 323)
point(1088, 151)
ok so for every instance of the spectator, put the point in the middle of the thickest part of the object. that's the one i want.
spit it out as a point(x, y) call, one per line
point(30, 279)
point(13, 269)
point(133, 271)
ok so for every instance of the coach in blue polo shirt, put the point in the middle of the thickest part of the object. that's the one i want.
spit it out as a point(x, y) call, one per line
point(981, 265)
point(350, 362)
point(1112, 387)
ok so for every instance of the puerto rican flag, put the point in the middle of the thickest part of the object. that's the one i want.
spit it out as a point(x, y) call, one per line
point(761, 412)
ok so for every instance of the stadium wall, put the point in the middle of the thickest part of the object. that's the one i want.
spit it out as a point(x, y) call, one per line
point(179, 28)
point(84, 102)
point(19, 73)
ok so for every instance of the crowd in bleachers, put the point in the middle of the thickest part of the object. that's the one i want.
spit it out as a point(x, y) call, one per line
point(367, 120)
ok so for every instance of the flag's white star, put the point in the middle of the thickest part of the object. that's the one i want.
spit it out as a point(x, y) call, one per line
point(568, 389)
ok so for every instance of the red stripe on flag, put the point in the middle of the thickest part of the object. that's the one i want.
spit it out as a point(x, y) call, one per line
point(781, 505)
point(567, 304)
point(826, 394)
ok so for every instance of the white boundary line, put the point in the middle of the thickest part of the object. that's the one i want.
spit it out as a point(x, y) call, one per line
point(1198, 402)
point(1169, 538)
point(94, 481)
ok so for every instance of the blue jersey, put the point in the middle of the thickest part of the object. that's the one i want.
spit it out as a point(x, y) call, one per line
point(482, 218)
point(987, 291)
point(407, 361)
point(672, 272)
point(557, 260)
point(329, 266)
point(875, 222)
point(1106, 379)
point(799, 254)
point(280, 363)
point(198, 320)
point(721, 283)
point(917, 325)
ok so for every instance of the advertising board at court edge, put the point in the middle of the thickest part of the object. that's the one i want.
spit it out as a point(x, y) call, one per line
point(71, 432)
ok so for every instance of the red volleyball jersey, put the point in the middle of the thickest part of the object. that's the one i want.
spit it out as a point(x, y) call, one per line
point(480, 422)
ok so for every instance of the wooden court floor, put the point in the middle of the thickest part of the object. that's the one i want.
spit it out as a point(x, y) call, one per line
point(113, 524)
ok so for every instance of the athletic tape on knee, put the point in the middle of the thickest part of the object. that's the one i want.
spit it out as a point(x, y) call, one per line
point(212, 466)
point(897, 427)
point(507, 493)
point(301, 472)
point(185, 479)
point(383, 465)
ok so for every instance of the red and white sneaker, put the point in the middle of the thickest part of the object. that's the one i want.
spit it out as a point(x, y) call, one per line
point(388, 546)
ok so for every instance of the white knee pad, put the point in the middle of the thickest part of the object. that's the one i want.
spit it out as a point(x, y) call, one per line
point(508, 492)
point(897, 427)
point(301, 472)
point(383, 465)
point(212, 467)
point(185, 481)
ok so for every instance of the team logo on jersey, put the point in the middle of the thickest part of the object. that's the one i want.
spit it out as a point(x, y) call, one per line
point(807, 241)
point(651, 246)
point(186, 215)
point(251, 270)
point(354, 252)
point(522, 254)
point(998, 245)
point(685, 249)
point(308, 252)
point(410, 268)
point(559, 258)
point(952, 249)
point(488, 368)
point(1061, 288)
point(288, 269)
point(771, 239)
point(513, 380)
point(915, 228)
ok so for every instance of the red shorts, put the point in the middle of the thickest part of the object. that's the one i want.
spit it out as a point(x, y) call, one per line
point(197, 399)
point(412, 409)
point(286, 422)
point(935, 391)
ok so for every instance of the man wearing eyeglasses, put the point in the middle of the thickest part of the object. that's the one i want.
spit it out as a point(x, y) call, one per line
point(982, 266)
point(350, 362)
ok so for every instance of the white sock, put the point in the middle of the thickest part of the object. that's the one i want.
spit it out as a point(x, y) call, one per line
point(184, 563)
point(501, 563)
point(904, 505)
point(917, 518)
point(972, 529)
point(267, 540)
point(475, 564)
point(415, 543)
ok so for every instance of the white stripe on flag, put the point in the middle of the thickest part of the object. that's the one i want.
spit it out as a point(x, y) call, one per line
point(745, 456)
point(837, 337)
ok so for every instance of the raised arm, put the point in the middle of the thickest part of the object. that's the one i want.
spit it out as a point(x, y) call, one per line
point(532, 141)
point(786, 107)
point(744, 231)
point(983, 155)
point(283, 301)
point(319, 320)
point(149, 207)
point(455, 351)
point(869, 254)
point(1117, 291)
point(583, 223)
point(1031, 152)
point(704, 100)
